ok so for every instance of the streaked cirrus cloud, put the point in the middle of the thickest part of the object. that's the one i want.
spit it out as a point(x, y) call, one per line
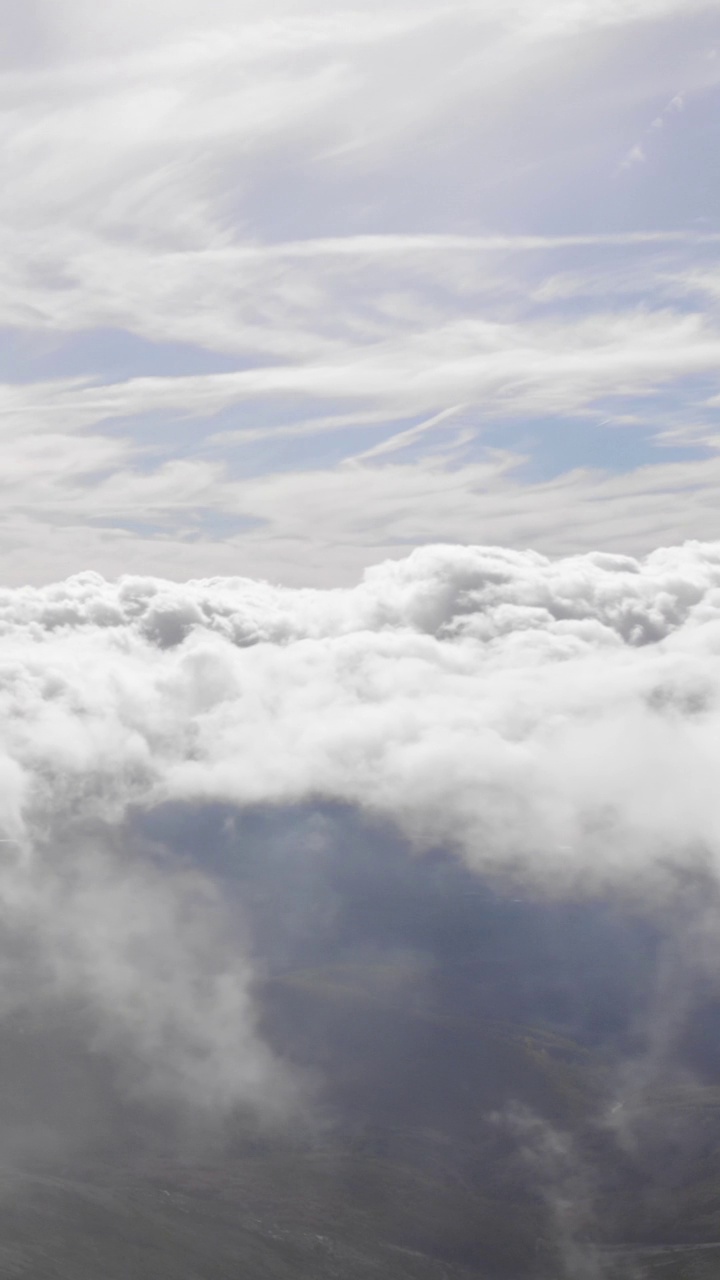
point(255, 262)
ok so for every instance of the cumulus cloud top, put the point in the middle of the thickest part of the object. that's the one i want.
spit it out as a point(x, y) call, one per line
point(440, 591)
point(507, 703)
point(553, 720)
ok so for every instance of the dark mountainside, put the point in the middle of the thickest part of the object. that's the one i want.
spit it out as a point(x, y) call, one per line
point(492, 1083)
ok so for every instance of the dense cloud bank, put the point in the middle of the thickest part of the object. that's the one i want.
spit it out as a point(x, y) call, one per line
point(557, 720)
point(565, 712)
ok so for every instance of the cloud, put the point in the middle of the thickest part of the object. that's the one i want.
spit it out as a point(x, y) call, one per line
point(316, 231)
point(549, 724)
point(511, 705)
point(86, 451)
point(219, 232)
point(325, 526)
point(635, 155)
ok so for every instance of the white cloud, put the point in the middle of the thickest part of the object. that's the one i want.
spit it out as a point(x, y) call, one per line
point(558, 716)
point(557, 719)
point(314, 195)
point(326, 525)
point(337, 226)
point(81, 456)
point(145, 140)
point(417, 364)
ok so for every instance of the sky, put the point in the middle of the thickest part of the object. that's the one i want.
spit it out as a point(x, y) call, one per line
point(289, 289)
point(359, 372)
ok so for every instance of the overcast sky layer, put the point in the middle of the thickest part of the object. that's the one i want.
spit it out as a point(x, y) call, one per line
point(287, 288)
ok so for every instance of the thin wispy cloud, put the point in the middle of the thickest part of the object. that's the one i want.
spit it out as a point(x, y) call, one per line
point(242, 251)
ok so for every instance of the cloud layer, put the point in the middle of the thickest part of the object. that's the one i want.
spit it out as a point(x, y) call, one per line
point(490, 697)
point(283, 251)
point(555, 721)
